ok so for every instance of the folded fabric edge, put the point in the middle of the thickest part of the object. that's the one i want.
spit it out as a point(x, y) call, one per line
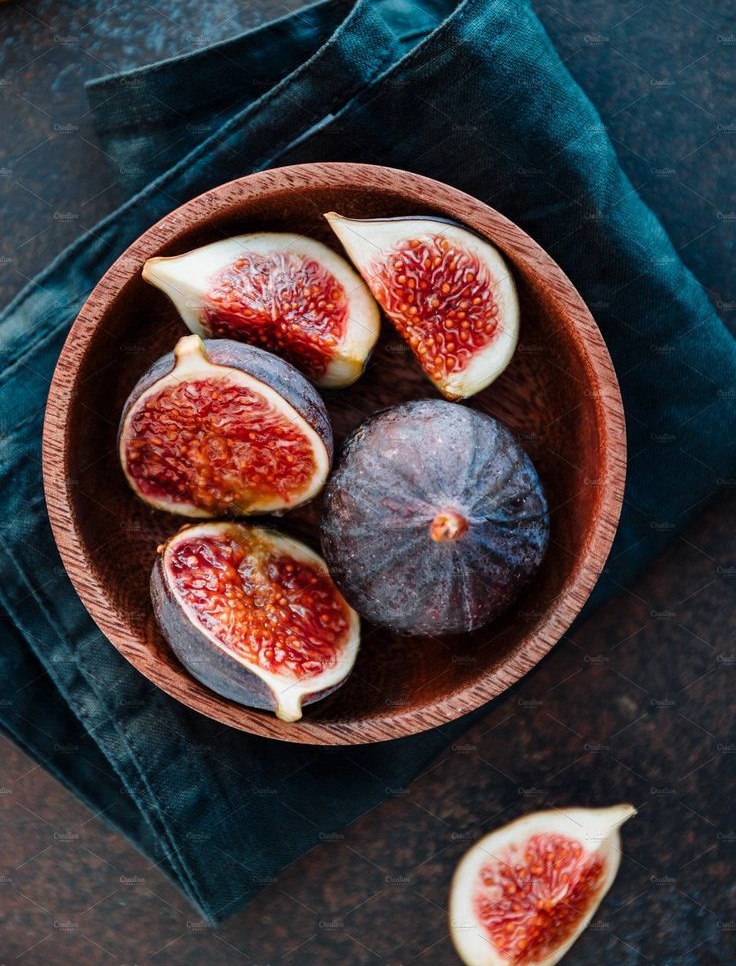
point(190, 57)
point(115, 824)
point(104, 231)
point(151, 814)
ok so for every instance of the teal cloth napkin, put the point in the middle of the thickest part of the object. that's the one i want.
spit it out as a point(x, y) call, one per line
point(471, 93)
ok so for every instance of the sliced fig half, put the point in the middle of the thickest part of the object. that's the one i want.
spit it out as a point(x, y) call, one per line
point(434, 518)
point(286, 293)
point(254, 615)
point(523, 894)
point(448, 291)
point(219, 427)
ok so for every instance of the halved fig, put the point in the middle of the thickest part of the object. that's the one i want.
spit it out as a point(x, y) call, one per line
point(286, 293)
point(448, 291)
point(254, 615)
point(219, 427)
point(523, 894)
point(434, 518)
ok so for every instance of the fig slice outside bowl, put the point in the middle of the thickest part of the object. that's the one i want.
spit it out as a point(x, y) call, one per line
point(523, 894)
point(286, 293)
point(448, 292)
point(254, 615)
point(219, 427)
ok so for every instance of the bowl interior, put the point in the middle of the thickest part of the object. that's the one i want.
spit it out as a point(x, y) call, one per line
point(554, 395)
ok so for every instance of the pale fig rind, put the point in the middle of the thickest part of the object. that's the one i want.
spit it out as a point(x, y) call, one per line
point(372, 244)
point(209, 662)
point(234, 362)
point(595, 829)
point(188, 279)
point(434, 519)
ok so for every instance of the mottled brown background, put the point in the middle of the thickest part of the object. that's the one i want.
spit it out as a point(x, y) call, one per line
point(637, 705)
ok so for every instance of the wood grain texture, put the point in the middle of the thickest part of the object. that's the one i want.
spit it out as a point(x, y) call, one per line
point(559, 395)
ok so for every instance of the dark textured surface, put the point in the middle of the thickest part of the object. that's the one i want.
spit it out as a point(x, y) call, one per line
point(636, 705)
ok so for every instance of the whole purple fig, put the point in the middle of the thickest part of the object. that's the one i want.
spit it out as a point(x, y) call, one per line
point(434, 519)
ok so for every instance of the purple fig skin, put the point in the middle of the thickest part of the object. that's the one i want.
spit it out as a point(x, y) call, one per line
point(206, 662)
point(268, 368)
point(401, 469)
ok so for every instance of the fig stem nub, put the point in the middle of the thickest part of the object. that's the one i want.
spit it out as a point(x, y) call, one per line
point(190, 354)
point(447, 525)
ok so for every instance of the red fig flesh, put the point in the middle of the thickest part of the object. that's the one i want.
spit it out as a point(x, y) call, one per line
point(285, 293)
point(219, 427)
point(254, 615)
point(434, 519)
point(448, 291)
point(523, 894)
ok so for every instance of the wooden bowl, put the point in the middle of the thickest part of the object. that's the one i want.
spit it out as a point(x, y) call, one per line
point(559, 395)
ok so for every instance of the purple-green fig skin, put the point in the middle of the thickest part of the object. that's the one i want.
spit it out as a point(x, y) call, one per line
point(268, 368)
point(400, 469)
point(205, 661)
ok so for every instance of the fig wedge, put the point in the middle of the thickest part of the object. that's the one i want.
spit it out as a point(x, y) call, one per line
point(254, 616)
point(285, 293)
point(448, 292)
point(221, 428)
point(523, 894)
